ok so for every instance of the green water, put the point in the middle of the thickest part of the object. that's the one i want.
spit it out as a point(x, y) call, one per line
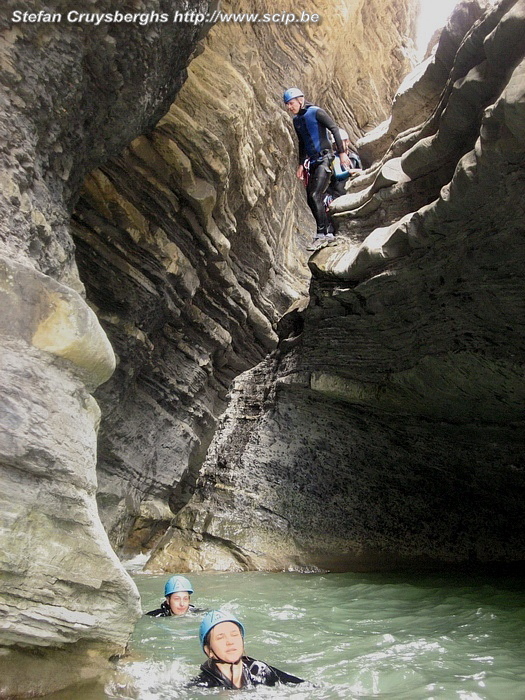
point(350, 635)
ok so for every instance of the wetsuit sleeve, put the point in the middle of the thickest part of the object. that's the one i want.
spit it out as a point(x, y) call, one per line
point(327, 121)
point(302, 149)
point(204, 681)
point(261, 672)
point(284, 677)
point(163, 611)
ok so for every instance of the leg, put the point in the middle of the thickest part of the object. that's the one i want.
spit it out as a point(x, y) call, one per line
point(317, 186)
point(336, 189)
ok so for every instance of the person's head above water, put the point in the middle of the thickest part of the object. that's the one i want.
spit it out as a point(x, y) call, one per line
point(294, 99)
point(178, 591)
point(227, 666)
point(222, 637)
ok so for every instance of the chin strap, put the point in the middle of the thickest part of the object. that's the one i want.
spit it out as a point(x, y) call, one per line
point(231, 673)
point(228, 663)
point(231, 664)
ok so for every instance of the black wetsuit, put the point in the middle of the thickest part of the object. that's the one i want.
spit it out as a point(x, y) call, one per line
point(337, 187)
point(253, 673)
point(164, 611)
point(311, 125)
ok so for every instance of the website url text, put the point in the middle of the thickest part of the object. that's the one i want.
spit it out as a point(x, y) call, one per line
point(144, 18)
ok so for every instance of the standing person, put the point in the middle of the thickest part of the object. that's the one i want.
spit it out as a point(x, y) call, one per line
point(177, 591)
point(311, 125)
point(222, 639)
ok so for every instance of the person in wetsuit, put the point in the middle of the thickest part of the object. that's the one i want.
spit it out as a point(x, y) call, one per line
point(222, 639)
point(177, 591)
point(341, 174)
point(311, 125)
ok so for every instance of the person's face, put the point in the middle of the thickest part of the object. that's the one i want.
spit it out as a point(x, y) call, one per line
point(179, 602)
point(295, 105)
point(225, 643)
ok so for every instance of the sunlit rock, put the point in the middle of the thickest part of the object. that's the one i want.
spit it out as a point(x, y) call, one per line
point(420, 91)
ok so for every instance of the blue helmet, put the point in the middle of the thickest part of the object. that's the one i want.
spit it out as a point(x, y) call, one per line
point(291, 93)
point(213, 618)
point(176, 584)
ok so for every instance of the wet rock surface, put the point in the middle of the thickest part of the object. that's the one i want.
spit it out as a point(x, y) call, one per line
point(73, 95)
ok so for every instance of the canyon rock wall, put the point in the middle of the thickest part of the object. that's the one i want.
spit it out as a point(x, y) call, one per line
point(386, 430)
point(191, 243)
point(73, 94)
point(173, 266)
point(419, 94)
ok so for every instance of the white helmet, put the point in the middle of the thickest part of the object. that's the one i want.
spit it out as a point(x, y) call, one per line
point(343, 135)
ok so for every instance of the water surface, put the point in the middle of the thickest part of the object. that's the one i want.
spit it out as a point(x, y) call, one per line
point(350, 635)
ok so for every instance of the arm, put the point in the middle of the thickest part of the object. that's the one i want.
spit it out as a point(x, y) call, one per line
point(326, 120)
point(204, 680)
point(302, 156)
point(302, 149)
point(263, 673)
point(286, 677)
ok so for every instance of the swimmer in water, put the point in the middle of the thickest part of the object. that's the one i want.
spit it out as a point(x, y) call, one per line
point(177, 591)
point(222, 639)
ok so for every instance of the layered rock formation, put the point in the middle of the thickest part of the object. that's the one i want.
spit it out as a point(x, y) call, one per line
point(387, 429)
point(191, 243)
point(419, 93)
point(73, 94)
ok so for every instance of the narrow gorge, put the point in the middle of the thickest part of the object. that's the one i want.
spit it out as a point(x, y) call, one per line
point(386, 430)
point(180, 377)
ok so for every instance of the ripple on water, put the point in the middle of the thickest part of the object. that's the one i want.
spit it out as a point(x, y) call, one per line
point(151, 681)
point(354, 636)
point(287, 612)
